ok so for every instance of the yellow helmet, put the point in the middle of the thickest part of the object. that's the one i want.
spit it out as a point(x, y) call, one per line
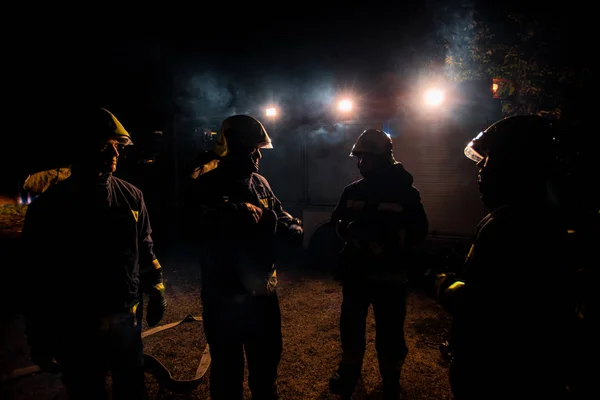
point(241, 130)
point(97, 124)
point(109, 127)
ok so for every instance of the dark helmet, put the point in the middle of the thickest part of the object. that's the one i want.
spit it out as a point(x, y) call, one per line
point(372, 141)
point(241, 130)
point(515, 140)
point(519, 154)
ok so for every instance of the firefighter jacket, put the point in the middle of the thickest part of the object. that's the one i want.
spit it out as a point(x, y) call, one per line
point(237, 255)
point(381, 219)
point(512, 301)
point(88, 245)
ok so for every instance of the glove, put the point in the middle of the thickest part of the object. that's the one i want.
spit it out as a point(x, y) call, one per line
point(450, 291)
point(268, 222)
point(341, 229)
point(360, 231)
point(290, 226)
point(254, 213)
point(41, 344)
point(445, 281)
point(42, 356)
point(295, 230)
point(157, 304)
point(46, 364)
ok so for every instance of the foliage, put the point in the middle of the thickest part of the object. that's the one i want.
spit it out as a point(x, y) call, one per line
point(522, 51)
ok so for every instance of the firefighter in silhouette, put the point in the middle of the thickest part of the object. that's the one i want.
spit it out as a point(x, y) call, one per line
point(510, 304)
point(381, 218)
point(90, 259)
point(580, 200)
point(236, 218)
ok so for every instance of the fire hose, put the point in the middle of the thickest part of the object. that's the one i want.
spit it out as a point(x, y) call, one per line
point(151, 364)
point(162, 373)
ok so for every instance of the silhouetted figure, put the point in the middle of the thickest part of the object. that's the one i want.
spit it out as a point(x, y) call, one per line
point(510, 305)
point(203, 162)
point(381, 218)
point(89, 260)
point(235, 217)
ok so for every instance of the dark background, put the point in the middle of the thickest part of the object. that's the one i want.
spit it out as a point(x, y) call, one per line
point(158, 67)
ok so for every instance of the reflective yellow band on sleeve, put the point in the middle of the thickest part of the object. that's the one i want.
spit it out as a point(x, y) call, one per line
point(156, 264)
point(456, 285)
point(160, 287)
point(470, 254)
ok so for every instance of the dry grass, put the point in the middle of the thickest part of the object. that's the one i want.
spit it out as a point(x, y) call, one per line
point(310, 317)
point(310, 304)
point(12, 217)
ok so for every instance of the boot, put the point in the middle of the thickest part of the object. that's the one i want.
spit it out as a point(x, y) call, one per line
point(390, 384)
point(391, 389)
point(343, 381)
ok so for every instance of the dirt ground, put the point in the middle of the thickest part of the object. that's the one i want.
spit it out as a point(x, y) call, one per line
point(310, 304)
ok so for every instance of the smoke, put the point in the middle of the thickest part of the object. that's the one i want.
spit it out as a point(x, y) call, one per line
point(205, 96)
point(305, 127)
point(456, 30)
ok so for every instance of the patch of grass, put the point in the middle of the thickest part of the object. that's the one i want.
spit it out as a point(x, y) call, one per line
point(12, 217)
point(310, 307)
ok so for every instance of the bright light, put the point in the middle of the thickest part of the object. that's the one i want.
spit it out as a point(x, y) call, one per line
point(271, 112)
point(494, 87)
point(434, 97)
point(345, 105)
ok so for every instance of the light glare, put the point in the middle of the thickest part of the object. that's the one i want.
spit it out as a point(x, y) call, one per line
point(434, 97)
point(345, 105)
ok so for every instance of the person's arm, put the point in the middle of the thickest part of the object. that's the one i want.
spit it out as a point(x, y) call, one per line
point(207, 213)
point(415, 220)
point(151, 272)
point(287, 225)
point(339, 216)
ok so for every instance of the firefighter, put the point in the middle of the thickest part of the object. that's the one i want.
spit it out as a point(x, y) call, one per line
point(510, 304)
point(89, 255)
point(237, 217)
point(381, 219)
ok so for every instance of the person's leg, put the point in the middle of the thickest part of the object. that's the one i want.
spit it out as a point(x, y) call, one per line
point(389, 308)
point(263, 347)
point(127, 360)
point(83, 359)
point(224, 336)
point(355, 307)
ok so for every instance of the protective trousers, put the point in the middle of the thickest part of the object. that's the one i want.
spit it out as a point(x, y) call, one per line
point(389, 308)
point(235, 326)
point(90, 349)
